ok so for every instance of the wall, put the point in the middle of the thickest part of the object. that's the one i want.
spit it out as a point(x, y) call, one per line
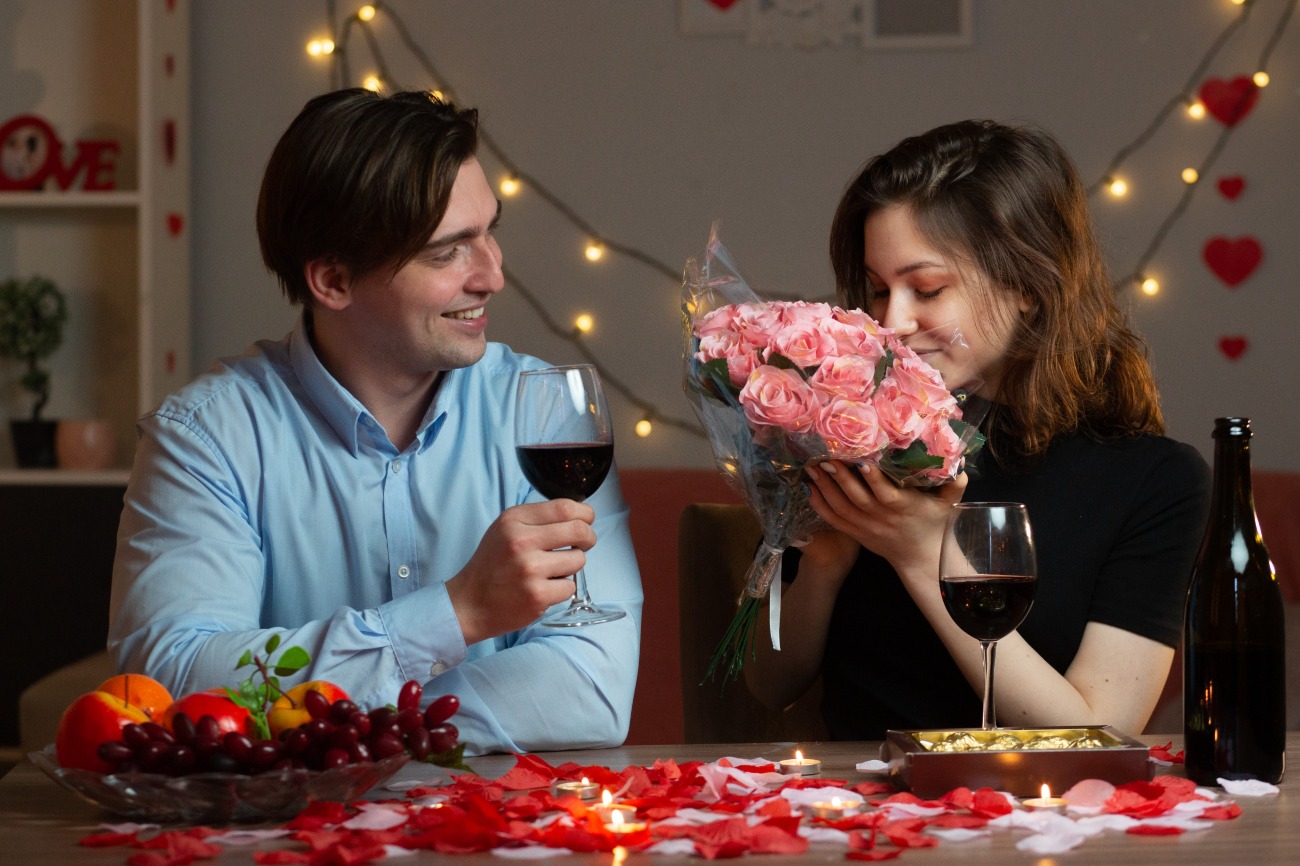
point(651, 135)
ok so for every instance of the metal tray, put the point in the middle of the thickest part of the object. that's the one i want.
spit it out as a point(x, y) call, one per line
point(919, 762)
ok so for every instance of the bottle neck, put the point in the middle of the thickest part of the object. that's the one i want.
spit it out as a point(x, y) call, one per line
point(1233, 498)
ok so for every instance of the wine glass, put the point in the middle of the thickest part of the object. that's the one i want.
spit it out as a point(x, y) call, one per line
point(987, 575)
point(565, 447)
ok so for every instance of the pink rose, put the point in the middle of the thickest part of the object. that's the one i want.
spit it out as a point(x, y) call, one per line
point(851, 429)
point(924, 384)
point(758, 323)
point(739, 367)
point(852, 339)
point(899, 413)
point(941, 440)
point(796, 312)
point(721, 344)
point(803, 343)
point(779, 398)
point(719, 321)
point(851, 376)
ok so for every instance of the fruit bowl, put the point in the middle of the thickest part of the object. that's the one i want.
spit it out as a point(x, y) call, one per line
point(217, 797)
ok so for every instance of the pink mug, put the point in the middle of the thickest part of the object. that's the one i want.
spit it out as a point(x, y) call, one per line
point(85, 444)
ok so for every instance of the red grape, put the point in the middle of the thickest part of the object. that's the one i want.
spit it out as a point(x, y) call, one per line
point(409, 695)
point(441, 710)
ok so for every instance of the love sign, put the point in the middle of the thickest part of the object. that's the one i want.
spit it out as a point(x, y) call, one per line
point(33, 154)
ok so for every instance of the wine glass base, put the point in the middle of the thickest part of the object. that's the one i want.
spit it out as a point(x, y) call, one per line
point(582, 614)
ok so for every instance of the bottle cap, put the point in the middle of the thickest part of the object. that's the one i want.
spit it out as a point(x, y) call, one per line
point(1234, 427)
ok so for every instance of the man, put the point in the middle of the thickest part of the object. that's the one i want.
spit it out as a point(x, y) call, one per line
point(354, 486)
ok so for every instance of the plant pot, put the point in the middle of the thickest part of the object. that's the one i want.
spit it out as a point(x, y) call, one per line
point(34, 443)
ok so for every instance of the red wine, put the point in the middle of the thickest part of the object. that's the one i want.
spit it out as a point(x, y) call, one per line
point(1234, 641)
point(566, 470)
point(988, 607)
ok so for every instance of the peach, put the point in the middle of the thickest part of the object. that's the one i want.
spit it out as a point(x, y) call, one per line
point(92, 719)
point(289, 711)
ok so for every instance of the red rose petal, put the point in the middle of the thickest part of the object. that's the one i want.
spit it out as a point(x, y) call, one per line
point(874, 856)
point(106, 840)
point(870, 789)
point(275, 858)
point(1222, 813)
point(989, 803)
point(1154, 830)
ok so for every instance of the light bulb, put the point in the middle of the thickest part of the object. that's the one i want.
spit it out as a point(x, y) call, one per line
point(1150, 286)
point(365, 13)
point(1260, 78)
point(644, 428)
point(595, 251)
point(584, 323)
point(1196, 109)
point(1118, 187)
point(1190, 175)
point(509, 185)
point(372, 82)
point(438, 95)
point(320, 47)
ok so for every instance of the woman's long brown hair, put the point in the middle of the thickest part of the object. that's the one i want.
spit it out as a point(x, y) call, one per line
point(1008, 202)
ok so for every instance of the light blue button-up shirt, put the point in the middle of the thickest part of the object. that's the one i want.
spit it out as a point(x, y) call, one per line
point(266, 499)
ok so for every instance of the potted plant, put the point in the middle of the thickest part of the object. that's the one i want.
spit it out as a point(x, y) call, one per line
point(32, 314)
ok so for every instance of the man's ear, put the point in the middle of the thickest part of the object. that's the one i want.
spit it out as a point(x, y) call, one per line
point(329, 282)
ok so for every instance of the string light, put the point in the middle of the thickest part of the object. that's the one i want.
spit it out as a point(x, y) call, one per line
point(1196, 109)
point(366, 13)
point(509, 185)
point(1117, 186)
point(1260, 78)
point(1191, 175)
point(320, 47)
point(644, 428)
point(372, 82)
point(595, 251)
point(583, 323)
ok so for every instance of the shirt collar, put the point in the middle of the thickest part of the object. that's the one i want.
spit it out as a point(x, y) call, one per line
point(344, 413)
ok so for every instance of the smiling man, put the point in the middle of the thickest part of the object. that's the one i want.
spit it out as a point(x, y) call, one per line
point(353, 487)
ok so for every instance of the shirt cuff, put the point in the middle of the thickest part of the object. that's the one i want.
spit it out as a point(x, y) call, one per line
point(424, 632)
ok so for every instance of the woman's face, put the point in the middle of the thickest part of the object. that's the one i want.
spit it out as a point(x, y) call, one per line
point(932, 305)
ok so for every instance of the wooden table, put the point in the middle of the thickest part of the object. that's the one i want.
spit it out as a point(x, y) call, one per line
point(40, 822)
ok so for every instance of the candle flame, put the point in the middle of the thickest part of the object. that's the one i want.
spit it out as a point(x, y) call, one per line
point(605, 797)
point(835, 802)
point(798, 756)
point(616, 818)
point(585, 781)
point(1046, 792)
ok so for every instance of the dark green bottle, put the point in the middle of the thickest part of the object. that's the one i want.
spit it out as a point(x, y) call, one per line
point(1234, 642)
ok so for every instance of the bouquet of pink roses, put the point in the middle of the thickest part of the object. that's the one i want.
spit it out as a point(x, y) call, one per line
point(781, 384)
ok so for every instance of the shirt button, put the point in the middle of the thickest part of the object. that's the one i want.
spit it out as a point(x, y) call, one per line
point(397, 466)
point(403, 572)
point(438, 669)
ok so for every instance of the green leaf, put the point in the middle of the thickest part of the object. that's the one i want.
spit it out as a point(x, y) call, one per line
point(882, 367)
point(245, 660)
point(293, 659)
point(452, 759)
point(272, 644)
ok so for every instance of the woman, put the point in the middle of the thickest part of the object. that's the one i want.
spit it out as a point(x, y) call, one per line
point(984, 229)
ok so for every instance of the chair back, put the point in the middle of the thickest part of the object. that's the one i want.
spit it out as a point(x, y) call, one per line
point(716, 544)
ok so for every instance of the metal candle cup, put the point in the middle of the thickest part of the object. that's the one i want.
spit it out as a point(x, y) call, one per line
point(1045, 803)
point(617, 824)
point(583, 790)
point(834, 810)
point(800, 766)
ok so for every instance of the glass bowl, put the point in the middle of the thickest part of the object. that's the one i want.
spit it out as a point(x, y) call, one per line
point(217, 797)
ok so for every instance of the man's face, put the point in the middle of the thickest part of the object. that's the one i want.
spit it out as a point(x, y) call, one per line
point(432, 314)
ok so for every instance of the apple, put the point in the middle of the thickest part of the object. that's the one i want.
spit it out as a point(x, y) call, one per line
point(230, 716)
point(93, 718)
point(290, 709)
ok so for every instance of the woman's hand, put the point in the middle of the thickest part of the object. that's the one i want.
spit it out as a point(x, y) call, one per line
point(904, 525)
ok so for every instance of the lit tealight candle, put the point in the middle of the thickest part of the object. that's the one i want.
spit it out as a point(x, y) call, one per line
point(800, 766)
point(584, 790)
point(833, 810)
point(608, 810)
point(1045, 803)
point(616, 824)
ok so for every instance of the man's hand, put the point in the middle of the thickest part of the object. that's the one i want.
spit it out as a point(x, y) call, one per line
point(512, 577)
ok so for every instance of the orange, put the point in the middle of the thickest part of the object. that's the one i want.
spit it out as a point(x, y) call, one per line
point(139, 691)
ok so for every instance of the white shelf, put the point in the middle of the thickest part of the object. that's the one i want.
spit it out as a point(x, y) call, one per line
point(25, 200)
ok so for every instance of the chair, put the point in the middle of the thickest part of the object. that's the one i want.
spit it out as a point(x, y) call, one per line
point(716, 544)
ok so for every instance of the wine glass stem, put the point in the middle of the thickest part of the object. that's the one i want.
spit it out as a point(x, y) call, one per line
point(987, 649)
point(580, 596)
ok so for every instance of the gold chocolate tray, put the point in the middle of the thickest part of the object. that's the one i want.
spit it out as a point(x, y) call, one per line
point(930, 763)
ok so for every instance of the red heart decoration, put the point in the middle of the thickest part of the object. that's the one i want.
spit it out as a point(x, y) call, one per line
point(1231, 187)
point(1232, 261)
point(169, 141)
point(169, 65)
point(1229, 101)
point(175, 223)
point(724, 5)
point(1233, 347)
